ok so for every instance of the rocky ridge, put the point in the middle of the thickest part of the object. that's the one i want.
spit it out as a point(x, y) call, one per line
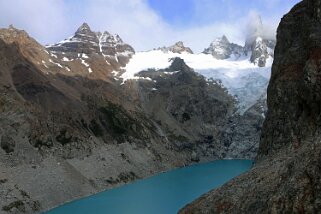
point(259, 49)
point(221, 48)
point(85, 41)
point(286, 177)
point(178, 47)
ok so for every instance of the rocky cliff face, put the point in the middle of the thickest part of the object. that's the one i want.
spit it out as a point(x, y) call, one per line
point(178, 98)
point(87, 42)
point(261, 50)
point(258, 48)
point(221, 48)
point(287, 175)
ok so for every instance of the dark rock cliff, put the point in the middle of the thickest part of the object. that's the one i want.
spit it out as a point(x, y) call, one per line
point(178, 99)
point(287, 175)
point(294, 91)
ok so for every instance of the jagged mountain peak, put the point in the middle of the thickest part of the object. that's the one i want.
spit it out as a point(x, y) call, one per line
point(259, 48)
point(178, 64)
point(11, 27)
point(221, 48)
point(222, 39)
point(84, 28)
point(108, 45)
point(178, 47)
point(179, 44)
point(112, 39)
point(19, 37)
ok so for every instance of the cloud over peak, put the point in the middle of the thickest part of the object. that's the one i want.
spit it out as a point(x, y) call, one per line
point(50, 21)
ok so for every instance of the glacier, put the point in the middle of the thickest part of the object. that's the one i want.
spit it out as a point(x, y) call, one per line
point(244, 80)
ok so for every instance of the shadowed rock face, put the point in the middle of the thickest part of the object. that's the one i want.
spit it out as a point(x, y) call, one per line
point(178, 97)
point(295, 82)
point(287, 175)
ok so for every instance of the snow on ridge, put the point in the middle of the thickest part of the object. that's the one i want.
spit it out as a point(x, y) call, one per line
point(53, 55)
point(231, 68)
point(65, 59)
point(44, 63)
point(115, 73)
point(84, 63)
point(242, 78)
point(85, 56)
point(55, 63)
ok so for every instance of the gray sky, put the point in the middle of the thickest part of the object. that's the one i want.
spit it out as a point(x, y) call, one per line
point(145, 24)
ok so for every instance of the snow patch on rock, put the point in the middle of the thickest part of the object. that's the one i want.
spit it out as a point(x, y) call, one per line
point(244, 80)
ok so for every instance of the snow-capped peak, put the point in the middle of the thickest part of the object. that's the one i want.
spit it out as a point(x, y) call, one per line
point(86, 41)
point(259, 39)
point(221, 48)
point(110, 39)
point(178, 47)
point(221, 40)
point(83, 28)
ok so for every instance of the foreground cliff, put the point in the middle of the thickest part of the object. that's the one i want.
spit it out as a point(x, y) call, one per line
point(287, 175)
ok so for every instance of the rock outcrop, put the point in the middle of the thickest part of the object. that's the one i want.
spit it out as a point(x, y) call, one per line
point(86, 43)
point(178, 47)
point(287, 175)
point(260, 49)
point(242, 133)
point(221, 48)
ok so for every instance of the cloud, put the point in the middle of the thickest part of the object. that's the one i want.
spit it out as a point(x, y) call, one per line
point(139, 25)
point(255, 27)
point(50, 21)
point(43, 19)
point(132, 19)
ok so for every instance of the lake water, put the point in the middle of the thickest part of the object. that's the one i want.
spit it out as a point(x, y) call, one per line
point(165, 193)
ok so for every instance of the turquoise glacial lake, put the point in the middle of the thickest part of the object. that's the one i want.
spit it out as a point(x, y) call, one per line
point(164, 193)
